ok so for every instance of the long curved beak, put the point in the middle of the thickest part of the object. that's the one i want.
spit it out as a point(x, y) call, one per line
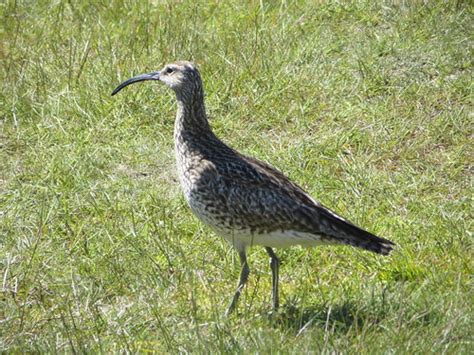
point(150, 76)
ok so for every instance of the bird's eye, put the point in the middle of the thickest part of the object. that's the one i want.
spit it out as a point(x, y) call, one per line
point(169, 70)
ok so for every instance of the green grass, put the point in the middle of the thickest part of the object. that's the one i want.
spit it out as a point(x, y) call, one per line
point(367, 105)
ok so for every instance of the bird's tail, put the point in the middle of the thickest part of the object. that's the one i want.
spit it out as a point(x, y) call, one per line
point(347, 233)
point(369, 241)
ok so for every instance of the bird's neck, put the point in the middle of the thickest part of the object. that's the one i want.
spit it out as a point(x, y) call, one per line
point(191, 116)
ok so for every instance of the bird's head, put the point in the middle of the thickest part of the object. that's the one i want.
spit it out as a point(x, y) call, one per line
point(182, 77)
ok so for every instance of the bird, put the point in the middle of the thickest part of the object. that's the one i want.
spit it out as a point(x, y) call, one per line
point(244, 200)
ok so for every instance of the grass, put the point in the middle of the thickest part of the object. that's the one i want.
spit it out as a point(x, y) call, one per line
point(367, 105)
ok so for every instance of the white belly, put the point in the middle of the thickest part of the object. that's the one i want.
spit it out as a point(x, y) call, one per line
point(275, 239)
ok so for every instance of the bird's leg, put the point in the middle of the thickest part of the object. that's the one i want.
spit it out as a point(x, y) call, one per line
point(275, 265)
point(244, 275)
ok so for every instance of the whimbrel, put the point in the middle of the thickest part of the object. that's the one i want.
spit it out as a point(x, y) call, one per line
point(244, 200)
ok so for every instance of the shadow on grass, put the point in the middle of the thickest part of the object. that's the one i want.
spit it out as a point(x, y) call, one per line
point(338, 318)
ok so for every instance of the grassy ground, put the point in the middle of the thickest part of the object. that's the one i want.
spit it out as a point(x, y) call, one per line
point(365, 105)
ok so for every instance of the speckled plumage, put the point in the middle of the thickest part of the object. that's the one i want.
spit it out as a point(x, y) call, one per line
point(244, 200)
